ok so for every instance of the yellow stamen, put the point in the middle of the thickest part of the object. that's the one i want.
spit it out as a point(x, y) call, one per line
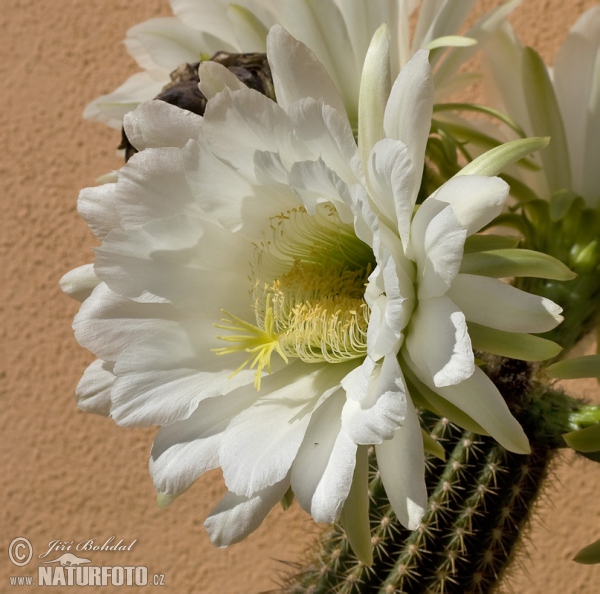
point(308, 294)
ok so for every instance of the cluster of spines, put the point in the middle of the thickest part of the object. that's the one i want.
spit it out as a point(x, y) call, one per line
point(480, 499)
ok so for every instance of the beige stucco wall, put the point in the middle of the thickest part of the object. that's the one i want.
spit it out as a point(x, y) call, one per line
point(70, 476)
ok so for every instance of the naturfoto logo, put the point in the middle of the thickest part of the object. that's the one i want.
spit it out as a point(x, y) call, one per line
point(62, 567)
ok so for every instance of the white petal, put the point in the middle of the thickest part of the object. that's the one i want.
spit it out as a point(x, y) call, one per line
point(208, 15)
point(250, 33)
point(375, 87)
point(185, 450)
point(401, 462)
point(438, 342)
point(238, 123)
point(156, 124)
point(437, 242)
point(315, 183)
point(152, 185)
point(238, 204)
point(374, 418)
point(98, 207)
point(237, 516)
point(140, 87)
point(323, 469)
point(481, 400)
point(409, 110)
point(476, 200)
point(490, 302)
point(297, 73)
point(107, 323)
point(165, 42)
point(79, 282)
point(93, 389)
point(328, 135)
point(578, 94)
point(214, 77)
point(161, 380)
point(261, 443)
point(391, 179)
point(320, 25)
point(194, 264)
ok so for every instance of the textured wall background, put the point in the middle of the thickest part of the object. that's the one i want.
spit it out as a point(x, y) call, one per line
point(73, 477)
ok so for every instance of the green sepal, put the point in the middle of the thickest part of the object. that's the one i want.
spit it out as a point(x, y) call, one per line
point(588, 366)
point(560, 203)
point(484, 109)
point(512, 221)
point(495, 160)
point(589, 555)
point(165, 499)
point(485, 243)
point(435, 403)
point(546, 120)
point(515, 262)
point(584, 440)
point(433, 447)
point(355, 513)
point(512, 344)
point(287, 499)
point(450, 41)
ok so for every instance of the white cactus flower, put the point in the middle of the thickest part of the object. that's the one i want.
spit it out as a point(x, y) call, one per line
point(263, 283)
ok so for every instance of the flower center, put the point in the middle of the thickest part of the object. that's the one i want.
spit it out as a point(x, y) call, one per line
point(307, 294)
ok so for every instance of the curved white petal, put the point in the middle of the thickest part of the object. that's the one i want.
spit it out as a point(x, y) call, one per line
point(480, 399)
point(161, 379)
point(238, 123)
point(437, 242)
point(438, 342)
point(315, 183)
point(79, 282)
point(490, 302)
point(578, 94)
point(401, 462)
point(261, 443)
point(107, 323)
point(140, 87)
point(214, 78)
point(238, 205)
point(193, 264)
point(324, 465)
point(93, 389)
point(320, 25)
point(166, 42)
point(373, 417)
point(375, 87)
point(156, 124)
point(475, 199)
point(237, 516)
point(327, 134)
point(391, 180)
point(409, 110)
point(151, 186)
point(185, 450)
point(97, 206)
point(297, 73)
